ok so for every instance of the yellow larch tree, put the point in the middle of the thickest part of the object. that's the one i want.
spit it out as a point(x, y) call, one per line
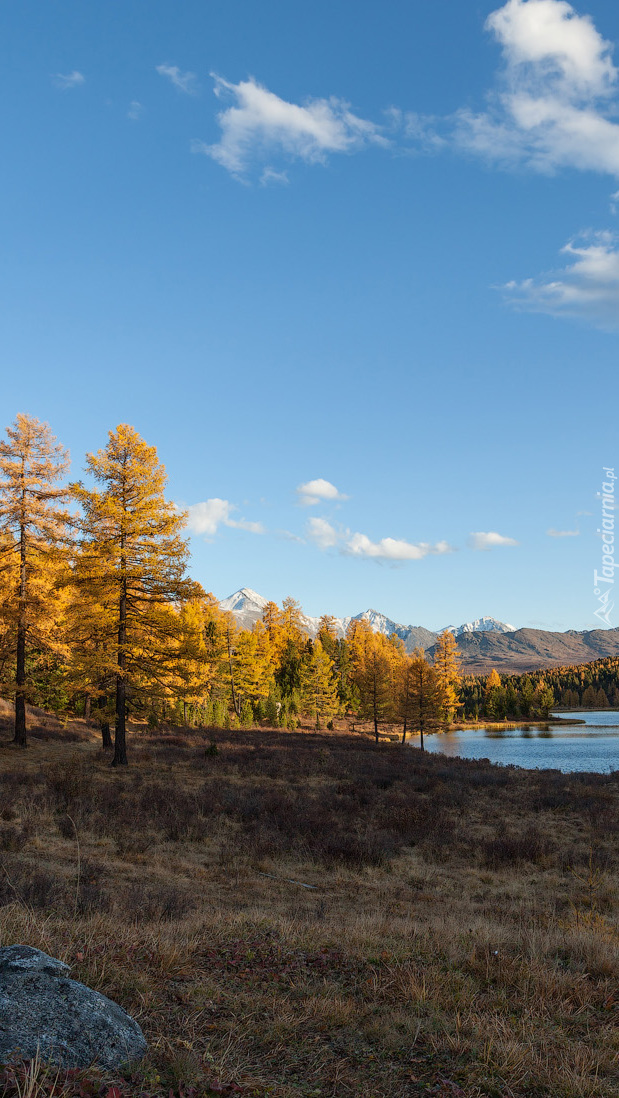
point(33, 540)
point(319, 685)
point(447, 667)
point(421, 696)
point(133, 560)
point(372, 660)
point(251, 668)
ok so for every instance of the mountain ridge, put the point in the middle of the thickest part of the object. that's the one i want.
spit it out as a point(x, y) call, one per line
point(247, 606)
point(484, 644)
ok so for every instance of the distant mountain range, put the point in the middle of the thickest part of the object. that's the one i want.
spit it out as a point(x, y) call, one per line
point(248, 606)
point(534, 649)
point(484, 643)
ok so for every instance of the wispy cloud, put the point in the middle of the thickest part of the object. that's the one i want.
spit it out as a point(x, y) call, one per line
point(563, 533)
point(555, 103)
point(206, 518)
point(587, 288)
point(271, 176)
point(135, 111)
point(489, 540)
point(186, 82)
point(66, 81)
point(258, 126)
point(317, 491)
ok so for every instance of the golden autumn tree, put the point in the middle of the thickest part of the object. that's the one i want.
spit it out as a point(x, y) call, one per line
point(195, 670)
point(319, 685)
point(133, 561)
point(327, 634)
point(421, 696)
point(447, 667)
point(492, 694)
point(372, 660)
point(251, 672)
point(91, 627)
point(33, 536)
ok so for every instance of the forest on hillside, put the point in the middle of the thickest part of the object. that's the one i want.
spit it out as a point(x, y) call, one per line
point(592, 685)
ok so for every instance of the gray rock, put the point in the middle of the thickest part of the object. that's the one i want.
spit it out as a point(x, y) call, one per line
point(67, 1022)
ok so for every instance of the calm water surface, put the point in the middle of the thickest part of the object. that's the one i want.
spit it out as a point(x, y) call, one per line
point(593, 745)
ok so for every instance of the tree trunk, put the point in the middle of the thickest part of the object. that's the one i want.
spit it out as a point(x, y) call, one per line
point(87, 707)
point(106, 736)
point(20, 737)
point(120, 735)
point(404, 731)
point(422, 702)
point(235, 704)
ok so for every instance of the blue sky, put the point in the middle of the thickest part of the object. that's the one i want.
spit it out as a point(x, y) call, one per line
point(373, 247)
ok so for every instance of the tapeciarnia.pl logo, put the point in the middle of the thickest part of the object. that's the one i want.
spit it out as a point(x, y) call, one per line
point(603, 582)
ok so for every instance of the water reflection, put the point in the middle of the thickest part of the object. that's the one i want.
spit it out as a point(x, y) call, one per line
point(590, 745)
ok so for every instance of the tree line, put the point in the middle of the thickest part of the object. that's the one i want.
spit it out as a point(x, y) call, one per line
point(592, 685)
point(99, 617)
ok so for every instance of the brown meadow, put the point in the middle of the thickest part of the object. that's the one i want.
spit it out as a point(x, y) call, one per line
point(297, 914)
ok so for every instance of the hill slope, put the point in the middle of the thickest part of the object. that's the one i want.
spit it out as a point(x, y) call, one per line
point(532, 649)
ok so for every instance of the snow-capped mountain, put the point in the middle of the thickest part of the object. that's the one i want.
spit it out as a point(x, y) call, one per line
point(481, 625)
point(244, 600)
point(248, 606)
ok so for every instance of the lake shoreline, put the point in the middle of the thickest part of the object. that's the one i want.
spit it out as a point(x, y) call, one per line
point(579, 741)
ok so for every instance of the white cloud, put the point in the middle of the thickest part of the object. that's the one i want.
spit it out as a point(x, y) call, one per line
point(259, 125)
point(322, 533)
point(556, 103)
point(327, 536)
point(359, 545)
point(206, 517)
point(184, 81)
point(271, 176)
point(549, 33)
point(65, 81)
point(288, 535)
point(490, 540)
point(316, 491)
point(135, 110)
point(587, 288)
point(563, 533)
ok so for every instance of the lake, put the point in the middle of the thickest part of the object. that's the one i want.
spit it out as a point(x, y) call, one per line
point(593, 745)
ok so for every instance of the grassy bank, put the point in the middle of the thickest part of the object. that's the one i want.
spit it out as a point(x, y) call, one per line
point(304, 915)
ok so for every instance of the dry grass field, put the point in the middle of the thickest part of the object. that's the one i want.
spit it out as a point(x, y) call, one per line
point(297, 915)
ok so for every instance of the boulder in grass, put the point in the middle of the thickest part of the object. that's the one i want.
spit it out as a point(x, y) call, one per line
point(42, 1010)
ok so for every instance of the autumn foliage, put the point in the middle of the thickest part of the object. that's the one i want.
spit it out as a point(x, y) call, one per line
point(99, 616)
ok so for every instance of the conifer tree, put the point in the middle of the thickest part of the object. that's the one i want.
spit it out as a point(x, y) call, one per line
point(133, 560)
point(327, 634)
point(372, 672)
point(447, 667)
point(91, 654)
point(250, 668)
point(33, 535)
point(425, 696)
point(318, 685)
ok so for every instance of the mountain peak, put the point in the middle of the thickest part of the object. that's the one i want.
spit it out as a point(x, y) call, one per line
point(244, 599)
point(481, 625)
point(247, 606)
